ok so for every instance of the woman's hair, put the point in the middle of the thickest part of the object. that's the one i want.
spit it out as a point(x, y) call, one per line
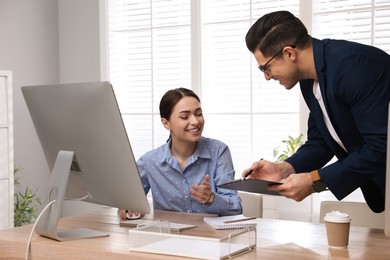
point(171, 98)
point(273, 31)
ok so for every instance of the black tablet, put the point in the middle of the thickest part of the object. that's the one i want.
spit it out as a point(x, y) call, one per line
point(251, 185)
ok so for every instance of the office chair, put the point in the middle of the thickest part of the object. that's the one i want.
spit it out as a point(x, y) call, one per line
point(252, 204)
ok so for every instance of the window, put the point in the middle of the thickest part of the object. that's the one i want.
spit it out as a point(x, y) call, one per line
point(158, 45)
point(250, 114)
point(149, 53)
point(364, 21)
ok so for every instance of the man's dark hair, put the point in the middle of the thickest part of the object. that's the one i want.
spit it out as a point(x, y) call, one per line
point(273, 31)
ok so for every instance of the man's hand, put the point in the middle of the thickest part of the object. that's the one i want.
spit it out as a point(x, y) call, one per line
point(295, 186)
point(265, 170)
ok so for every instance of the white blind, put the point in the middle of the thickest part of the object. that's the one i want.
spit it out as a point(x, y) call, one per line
point(244, 110)
point(150, 52)
point(364, 21)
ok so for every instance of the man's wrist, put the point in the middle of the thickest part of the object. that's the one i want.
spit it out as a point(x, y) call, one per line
point(315, 176)
point(317, 184)
point(286, 169)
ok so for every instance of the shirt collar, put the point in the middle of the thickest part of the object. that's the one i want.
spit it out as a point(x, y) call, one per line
point(201, 151)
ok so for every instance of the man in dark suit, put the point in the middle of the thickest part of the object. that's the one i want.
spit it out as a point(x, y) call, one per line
point(346, 86)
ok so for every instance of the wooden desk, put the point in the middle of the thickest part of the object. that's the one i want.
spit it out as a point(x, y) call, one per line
point(276, 239)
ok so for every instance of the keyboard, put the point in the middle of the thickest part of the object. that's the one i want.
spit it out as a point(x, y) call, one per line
point(140, 222)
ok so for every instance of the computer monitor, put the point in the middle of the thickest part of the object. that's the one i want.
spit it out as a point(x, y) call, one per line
point(85, 144)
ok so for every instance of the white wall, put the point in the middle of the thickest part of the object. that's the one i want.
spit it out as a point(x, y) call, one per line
point(79, 46)
point(45, 42)
point(29, 48)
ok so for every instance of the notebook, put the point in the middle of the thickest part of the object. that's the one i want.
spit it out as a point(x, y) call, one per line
point(231, 222)
point(141, 222)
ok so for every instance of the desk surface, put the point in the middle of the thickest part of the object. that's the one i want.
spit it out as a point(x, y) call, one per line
point(276, 239)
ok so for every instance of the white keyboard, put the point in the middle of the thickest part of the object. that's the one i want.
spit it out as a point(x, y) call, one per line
point(138, 222)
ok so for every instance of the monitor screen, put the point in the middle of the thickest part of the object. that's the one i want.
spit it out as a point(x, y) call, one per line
point(86, 146)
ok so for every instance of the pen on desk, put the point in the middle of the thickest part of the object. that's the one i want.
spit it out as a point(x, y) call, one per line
point(250, 172)
point(238, 220)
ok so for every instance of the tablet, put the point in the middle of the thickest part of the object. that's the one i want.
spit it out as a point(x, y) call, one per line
point(251, 185)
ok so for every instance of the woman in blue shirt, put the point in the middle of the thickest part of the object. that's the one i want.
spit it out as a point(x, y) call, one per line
point(184, 172)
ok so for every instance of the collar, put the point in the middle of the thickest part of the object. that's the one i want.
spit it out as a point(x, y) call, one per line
point(201, 151)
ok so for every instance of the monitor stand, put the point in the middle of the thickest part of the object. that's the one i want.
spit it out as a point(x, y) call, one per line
point(47, 223)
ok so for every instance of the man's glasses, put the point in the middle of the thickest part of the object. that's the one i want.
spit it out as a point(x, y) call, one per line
point(263, 68)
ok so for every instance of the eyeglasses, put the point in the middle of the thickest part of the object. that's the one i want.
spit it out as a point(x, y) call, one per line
point(263, 68)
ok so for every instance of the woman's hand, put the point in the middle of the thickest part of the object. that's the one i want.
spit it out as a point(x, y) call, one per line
point(128, 214)
point(202, 192)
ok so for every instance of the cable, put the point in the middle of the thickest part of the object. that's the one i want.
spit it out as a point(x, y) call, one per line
point(33, 228)
point(86, 196)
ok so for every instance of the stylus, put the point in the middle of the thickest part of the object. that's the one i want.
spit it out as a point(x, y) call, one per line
point(250, 172)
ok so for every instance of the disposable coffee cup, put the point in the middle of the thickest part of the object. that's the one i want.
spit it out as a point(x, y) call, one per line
point(337, 229)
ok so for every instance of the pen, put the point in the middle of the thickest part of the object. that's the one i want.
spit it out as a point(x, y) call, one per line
point(238, 220)
point(250, 172)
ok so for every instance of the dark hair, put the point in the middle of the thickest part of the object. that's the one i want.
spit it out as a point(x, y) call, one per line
point(171, 98)
point(273, 31)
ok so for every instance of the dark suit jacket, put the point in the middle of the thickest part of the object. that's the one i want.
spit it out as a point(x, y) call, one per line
point(354, 80)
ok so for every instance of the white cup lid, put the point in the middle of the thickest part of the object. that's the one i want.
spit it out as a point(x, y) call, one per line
point(337, 217)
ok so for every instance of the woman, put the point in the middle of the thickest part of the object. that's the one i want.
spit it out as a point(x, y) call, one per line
point(184, 172)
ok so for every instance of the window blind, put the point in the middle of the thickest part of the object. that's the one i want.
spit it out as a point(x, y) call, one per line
point(149, 53)
point(364, 21)
point(244, 110)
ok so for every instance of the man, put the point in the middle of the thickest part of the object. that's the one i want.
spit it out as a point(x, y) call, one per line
point(346, 86)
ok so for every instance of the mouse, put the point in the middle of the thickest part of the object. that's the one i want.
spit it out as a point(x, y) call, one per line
point(135, 215)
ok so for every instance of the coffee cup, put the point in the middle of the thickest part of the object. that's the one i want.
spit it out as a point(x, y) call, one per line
point(337, 229)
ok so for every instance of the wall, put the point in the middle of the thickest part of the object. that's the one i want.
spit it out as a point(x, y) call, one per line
point(29, 48)
point(31, 32)
point(79, 40)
